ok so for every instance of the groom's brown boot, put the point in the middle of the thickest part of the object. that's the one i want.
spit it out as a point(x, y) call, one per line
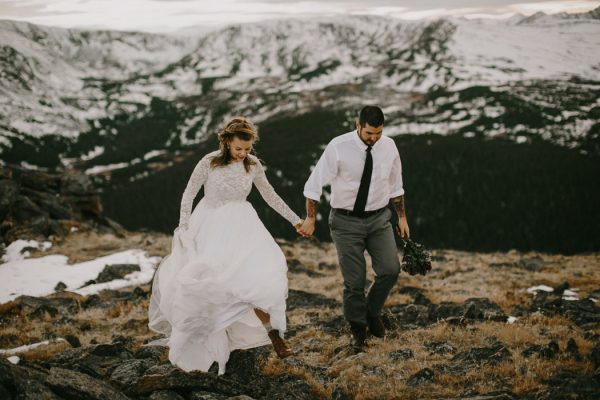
point(281, 347)
point(376, 327)
point(359, 337)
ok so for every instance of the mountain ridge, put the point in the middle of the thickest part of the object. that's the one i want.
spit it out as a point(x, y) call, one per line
point(279, 57)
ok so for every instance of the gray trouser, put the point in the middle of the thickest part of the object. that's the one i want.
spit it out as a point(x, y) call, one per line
point(352, 236)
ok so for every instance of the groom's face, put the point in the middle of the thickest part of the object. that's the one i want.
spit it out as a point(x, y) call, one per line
point(369, 134)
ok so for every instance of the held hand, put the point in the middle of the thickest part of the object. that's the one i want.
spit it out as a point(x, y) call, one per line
point(307, 228)
point(402, 227)
point(298, 226)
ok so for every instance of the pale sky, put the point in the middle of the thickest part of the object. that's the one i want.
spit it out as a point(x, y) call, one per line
point(174, 15)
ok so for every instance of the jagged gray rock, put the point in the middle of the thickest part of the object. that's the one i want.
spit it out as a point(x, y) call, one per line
point(76, 385)
point(116, 271)
point(129, 372)
point(58, 304)
point(165, 395)
point(36, 204)
point(97, 360)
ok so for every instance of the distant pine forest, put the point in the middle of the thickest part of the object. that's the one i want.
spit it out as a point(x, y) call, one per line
point(475, 194)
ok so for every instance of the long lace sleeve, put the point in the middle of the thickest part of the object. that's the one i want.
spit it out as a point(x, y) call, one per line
point(271, 197)
point(191, 190)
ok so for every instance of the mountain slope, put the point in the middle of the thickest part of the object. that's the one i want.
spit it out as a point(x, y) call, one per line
point(452, 92)
point(64, 83)
point(46, 73)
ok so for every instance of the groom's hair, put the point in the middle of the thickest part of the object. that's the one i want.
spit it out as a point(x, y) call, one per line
point(371, 115)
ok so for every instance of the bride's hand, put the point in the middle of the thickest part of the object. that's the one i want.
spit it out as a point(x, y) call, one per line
point(299, 229)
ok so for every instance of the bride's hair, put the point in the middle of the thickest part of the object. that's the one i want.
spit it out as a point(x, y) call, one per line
point(241, 128)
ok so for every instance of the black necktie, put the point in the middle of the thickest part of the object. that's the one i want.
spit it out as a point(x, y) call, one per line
point(365, 181)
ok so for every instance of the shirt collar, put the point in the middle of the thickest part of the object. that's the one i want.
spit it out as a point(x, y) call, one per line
point(362, 145)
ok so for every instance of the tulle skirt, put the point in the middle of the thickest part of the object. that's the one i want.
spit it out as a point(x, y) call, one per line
point(222, 267)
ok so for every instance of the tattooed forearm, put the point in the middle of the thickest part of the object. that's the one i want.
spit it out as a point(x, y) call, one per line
point(399, 203)
point(311, 208)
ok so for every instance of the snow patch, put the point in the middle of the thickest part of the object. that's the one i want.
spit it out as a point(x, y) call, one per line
point(27, 347)
point(14, 359)
point(14, 251)
point(105, 168)
point(39, 276)
point(535, 289)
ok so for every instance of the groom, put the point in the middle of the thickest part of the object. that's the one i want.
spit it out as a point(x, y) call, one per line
point(365, 172)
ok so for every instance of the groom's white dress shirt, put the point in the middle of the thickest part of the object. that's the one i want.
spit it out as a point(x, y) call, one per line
point(341, 165)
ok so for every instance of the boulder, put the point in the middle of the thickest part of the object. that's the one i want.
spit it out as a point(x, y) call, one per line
point(36, 205)
point(483, 309)
point(409, 316)
point(9, 192)
point(204, 395)
point(129, 372)
point(297, 267)
point(584, 312)
point(76, 184)
point(25, 209)
point(483, 355)
point(116, 271)
point(165, 395)
point(38, 306)
point(548, 351)
point(97, 360)
point(532, 264)
point(401, 354)
point(170, 377)
point(75, 385)
point(425, 375)
point(571, 385)
point(153, 352)
point(38, 180)
point(440, 348)
point(17, 382)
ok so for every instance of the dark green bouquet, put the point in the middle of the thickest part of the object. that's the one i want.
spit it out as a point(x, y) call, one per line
point(416, 260)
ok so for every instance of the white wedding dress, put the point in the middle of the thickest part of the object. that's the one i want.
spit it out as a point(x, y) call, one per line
point(221, 267)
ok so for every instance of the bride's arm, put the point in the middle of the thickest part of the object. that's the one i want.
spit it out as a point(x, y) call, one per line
point(271, 197)
point(191, 190)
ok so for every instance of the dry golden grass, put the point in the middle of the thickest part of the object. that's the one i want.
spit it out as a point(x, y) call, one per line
point(88, 245)
point(373, 374)
point(92, 325)
point(461, 275)
point(45, 352)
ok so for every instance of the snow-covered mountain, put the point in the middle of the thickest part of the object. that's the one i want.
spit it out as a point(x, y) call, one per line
point(85, 95)
point(45, 73)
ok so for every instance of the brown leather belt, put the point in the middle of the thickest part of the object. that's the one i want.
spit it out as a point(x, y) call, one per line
point(364, 214)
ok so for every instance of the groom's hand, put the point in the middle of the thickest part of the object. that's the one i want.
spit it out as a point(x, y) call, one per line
point(402, 227)
point(308, 227)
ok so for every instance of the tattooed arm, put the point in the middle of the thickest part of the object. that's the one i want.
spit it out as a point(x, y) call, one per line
point(403, 229)
point(321, 175)
point(308, 227)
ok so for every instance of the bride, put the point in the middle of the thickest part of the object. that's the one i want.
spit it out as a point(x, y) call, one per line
point(224, 284)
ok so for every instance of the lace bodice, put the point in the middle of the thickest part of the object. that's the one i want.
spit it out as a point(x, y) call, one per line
point(230, 183)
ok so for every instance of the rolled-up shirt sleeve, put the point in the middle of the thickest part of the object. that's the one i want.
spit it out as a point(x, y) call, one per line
point(396, 186)
point(322, 174)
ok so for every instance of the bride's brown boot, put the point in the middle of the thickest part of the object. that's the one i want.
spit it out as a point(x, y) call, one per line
point(281, 347)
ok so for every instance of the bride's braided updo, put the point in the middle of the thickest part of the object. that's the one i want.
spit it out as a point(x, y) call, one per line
point(241, 128)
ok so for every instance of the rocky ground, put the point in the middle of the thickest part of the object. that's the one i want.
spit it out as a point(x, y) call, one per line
point(39, 205)
point(448, 334)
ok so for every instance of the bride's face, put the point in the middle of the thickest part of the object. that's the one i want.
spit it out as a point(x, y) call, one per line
point(239, 149)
